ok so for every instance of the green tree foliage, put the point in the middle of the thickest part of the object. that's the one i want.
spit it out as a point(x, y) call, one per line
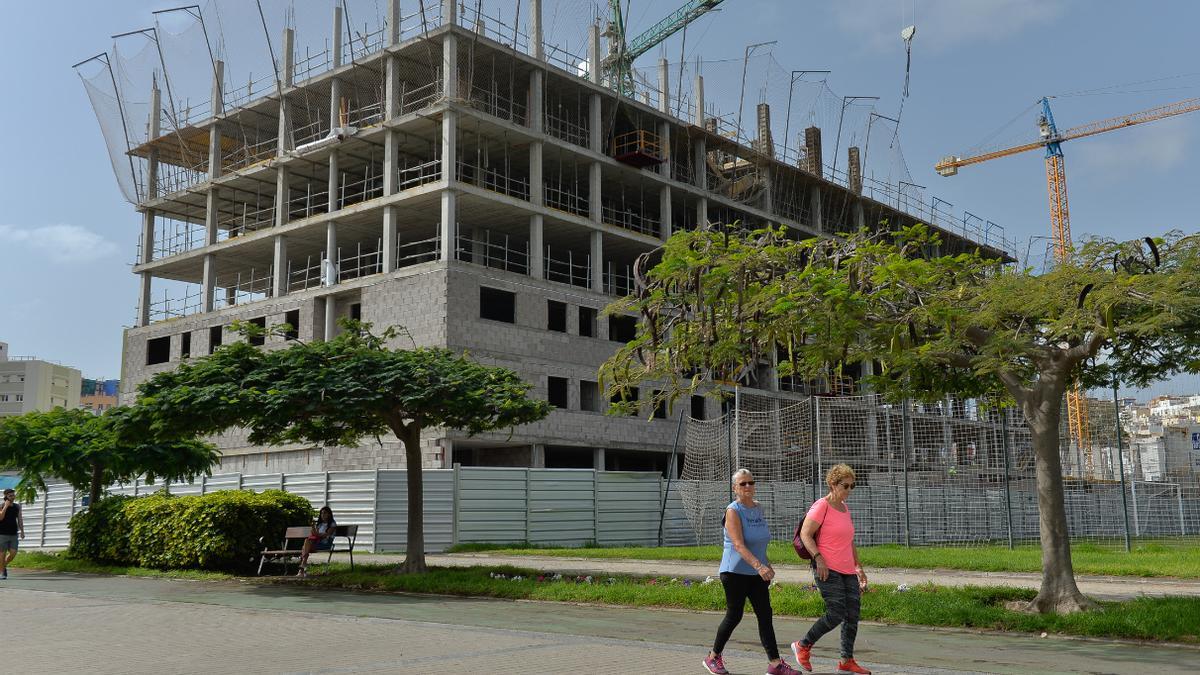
point(718, 304)
point(336, 393)
point(90, 452)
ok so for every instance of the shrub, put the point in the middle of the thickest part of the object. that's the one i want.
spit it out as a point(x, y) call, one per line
point(222, 530)
point(226, 530)
point(101, 532)
point(153, 523)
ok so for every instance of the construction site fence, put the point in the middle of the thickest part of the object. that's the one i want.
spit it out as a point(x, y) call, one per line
point(951, 473)
point(562, 507)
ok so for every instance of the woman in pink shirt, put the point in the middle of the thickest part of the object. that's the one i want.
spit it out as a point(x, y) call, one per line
point(828, 534)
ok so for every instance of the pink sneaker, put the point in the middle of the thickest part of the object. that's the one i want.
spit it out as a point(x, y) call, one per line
point(803, 655)
point(715, 665)
point(782, 668)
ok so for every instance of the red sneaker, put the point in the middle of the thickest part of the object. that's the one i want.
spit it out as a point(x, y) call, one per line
point(803, 655)
point(850, 666)
point(715, 665)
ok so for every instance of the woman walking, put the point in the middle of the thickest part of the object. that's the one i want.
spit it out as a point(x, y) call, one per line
point(746, 573)
point(828, 534)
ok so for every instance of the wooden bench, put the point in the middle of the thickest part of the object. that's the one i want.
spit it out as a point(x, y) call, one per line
point(293, 544)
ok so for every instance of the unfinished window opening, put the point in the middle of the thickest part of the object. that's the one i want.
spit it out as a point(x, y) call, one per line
point(260, 337)
point(292, 319)
point(629, 396)
point(589, 396)
point(587, 322)
point(215, 335)
point(497, 305)
point(698, 408)
point(556, 391)
point(356, 311)
point(185, 345)
point(660, 406)
point(158, 350)
point(556, 316)
point(622, 328)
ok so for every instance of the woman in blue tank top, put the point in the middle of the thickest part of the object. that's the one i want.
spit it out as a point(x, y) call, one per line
point(746, 573)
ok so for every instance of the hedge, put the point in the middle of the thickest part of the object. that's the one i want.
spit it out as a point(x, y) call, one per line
point(222, 530)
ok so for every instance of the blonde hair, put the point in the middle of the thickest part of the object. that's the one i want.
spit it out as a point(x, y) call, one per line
point(837, 472)
point(740, 472)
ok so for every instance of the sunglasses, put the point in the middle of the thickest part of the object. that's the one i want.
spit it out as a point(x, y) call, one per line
point(848, 486)
point(746, 483)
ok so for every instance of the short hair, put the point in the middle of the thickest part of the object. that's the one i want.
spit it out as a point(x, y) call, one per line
point(837, 472)
point(740, 472)
point(8, 490)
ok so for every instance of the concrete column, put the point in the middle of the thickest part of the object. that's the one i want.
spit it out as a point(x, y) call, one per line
point(144, 299)
point(208, 282)
point(282, 196)
point(699, 112)
point(595, 212)
point(449, 225)
point(854, 170)
point(390, 240)
point(330, 317)
point(537, 247)
point(702, 212)
point(286, 141)
point(664, 86)
point(814, 209)
point(598, 458)
point(597, 261)
point(329, 265)
point(479, 250)
point(537, 49)
point(333, 184)
point(768, 178)
point(537, 112)
point(594, 53)
point(279, 285)
point(536, 183)
point(154, 132)
point(664, 135)
point(336, 37)
point(393, 23)
point(214, 132)
point(664, 209)
point(595, 129)
point(537, 456)
point(449, 12)
point(812, 151)
point(212, 214)
point(860, 218)
point(700, 163)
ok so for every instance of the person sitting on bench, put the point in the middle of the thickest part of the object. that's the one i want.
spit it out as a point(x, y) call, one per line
point(321, 538)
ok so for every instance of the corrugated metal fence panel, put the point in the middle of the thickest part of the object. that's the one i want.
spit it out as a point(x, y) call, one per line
point(194, 488)
point(311, 486)
point(224, 481)
point(260, 482)
point(352, 498)
point(627, 507)
point(677, 529)
point(32, 515)
point(60, 506)
point(492, 505)
point(561, 508)
point(392, 510)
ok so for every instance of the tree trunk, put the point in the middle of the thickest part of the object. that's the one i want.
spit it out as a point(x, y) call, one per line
point(414, 560)
point(1058, 592)
point(97, 483)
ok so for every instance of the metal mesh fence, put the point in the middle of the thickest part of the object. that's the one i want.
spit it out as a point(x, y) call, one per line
point(956, 472)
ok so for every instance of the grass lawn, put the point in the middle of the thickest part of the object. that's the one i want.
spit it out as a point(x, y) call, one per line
point(61, 563)
point(1160, 619)
point(1146, 560)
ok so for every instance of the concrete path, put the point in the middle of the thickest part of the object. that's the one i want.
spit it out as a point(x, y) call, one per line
point(1106, 588)
point(64, 623)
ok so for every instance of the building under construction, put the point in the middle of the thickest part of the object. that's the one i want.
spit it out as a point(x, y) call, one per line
point(462, 180)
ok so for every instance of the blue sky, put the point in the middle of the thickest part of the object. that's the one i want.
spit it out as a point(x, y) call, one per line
point(67, 236)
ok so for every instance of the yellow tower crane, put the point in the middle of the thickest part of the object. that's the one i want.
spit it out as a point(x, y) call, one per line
point(1060, 222)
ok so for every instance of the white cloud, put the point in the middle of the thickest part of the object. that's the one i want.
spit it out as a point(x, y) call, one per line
point(1158, 147)
point(943, 24)
point(59, 243)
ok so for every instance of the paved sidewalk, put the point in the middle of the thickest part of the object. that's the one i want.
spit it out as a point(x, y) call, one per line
point(66, 623)
point(1106, 588)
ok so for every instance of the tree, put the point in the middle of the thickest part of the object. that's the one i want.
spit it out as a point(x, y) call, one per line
point(90, 451)
point(336, 393)
point(720, 303)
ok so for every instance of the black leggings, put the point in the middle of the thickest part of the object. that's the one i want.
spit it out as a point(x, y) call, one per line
point(739, 587)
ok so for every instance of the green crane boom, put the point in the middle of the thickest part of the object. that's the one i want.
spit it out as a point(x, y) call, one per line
point(617, 67)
